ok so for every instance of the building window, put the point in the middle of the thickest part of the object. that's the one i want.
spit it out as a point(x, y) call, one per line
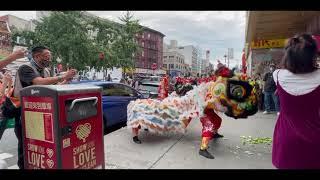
point(165, 66)
point(171, 66)
point(176, 66)
point(142, 53)
point(142, 35)
point(142, 44)
point(148, 35)
point(165, 56)
point(171, 56)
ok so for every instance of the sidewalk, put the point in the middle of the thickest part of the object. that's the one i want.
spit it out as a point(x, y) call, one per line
point(181, 151)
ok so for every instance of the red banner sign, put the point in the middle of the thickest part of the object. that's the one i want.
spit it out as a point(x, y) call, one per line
point(38, 135)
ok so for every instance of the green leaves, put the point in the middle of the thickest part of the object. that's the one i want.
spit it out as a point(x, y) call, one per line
point(78, 39)
point(250, 140)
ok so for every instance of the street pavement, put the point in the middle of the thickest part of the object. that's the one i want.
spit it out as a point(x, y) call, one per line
point(179, 151)
point(9, 149)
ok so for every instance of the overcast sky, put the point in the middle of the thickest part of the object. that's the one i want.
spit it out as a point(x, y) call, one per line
point(210, 30)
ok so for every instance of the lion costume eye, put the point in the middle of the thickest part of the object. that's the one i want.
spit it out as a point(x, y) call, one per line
point(238, 91)
point(218, 89)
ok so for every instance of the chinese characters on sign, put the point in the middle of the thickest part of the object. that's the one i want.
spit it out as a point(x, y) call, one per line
point(39, 135)
point(37, 105)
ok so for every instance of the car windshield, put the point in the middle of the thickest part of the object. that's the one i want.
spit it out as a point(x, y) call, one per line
point(155, 79)
point(148, 87)
point(117, 90)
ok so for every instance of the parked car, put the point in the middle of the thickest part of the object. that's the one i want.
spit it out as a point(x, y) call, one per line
point(115, 79)
point(149, 89)
point(155, 79)
point(115, 99)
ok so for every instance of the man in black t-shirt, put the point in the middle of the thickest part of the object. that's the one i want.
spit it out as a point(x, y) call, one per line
point(269, 91)
point(35, 72)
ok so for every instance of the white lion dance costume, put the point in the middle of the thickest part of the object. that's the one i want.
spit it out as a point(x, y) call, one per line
point(233, 96)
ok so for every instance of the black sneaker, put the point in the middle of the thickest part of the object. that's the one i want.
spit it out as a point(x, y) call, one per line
point(217, 135)
point(206, 154)
point(136, 140)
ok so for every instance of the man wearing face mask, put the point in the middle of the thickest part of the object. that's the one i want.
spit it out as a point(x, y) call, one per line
point(269, 91)
point(35, 72)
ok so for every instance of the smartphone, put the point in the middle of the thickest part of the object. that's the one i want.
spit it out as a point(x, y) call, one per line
point(29, 55)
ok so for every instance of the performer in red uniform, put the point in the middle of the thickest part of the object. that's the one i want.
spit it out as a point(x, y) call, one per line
point(163, 88)
point(210, 121)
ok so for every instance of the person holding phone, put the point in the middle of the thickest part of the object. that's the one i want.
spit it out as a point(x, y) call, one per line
point(6, 81)
point(35, 72)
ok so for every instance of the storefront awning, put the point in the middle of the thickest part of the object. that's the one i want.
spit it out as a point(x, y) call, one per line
point(276, 24)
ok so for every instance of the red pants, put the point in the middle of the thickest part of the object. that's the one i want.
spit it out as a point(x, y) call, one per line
point(211, 122)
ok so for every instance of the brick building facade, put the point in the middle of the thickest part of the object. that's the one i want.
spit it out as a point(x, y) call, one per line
point(151, 43)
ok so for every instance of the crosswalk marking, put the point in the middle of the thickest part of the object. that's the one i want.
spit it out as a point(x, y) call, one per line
point(4, 156)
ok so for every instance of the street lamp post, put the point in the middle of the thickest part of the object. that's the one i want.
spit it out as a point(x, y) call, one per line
point(228, 61)
point(225, 59)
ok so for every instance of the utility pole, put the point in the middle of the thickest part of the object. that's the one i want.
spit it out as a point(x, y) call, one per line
point(230, 55)
point(228, 61)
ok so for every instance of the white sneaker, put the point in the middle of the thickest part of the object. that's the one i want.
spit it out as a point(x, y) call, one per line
point(266, 112)
point(278, 113)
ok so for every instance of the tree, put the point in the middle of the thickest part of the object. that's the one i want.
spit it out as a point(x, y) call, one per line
point(78, 39)
point(128, 43)
point(118, 41)
point(65, 33)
